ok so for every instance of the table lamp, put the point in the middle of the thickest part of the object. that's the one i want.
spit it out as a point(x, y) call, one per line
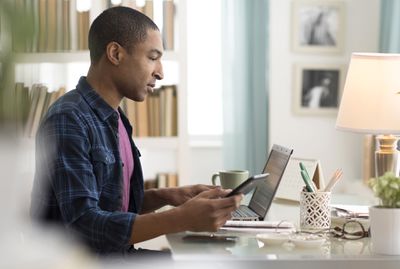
point(371, 104)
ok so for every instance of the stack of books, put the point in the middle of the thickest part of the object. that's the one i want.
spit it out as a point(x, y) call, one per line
point(162, 180)
point(156, 115)
point(32, 104)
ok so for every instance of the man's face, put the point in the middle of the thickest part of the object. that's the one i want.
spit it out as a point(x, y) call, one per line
point(141, 68)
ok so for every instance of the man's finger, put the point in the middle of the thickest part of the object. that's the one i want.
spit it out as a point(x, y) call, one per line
point(213, 193)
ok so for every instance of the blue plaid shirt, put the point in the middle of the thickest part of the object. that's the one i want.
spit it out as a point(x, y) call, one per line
point(78, 178)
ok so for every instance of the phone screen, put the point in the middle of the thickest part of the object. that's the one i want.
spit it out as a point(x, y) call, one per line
point(248, 185)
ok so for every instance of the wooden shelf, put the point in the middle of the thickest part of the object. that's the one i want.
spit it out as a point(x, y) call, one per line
point(167, 143)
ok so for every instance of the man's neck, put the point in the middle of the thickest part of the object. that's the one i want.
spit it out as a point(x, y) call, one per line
point(105, 88)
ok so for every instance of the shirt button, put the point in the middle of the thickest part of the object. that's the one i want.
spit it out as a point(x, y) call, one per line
point(123, 164)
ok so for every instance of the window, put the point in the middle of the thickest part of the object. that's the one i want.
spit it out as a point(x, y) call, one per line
point(204, 76)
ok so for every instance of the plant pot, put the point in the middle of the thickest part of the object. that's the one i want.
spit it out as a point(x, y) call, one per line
point(385, 230)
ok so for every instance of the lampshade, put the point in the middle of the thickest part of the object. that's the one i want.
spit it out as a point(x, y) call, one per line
point(371, 98)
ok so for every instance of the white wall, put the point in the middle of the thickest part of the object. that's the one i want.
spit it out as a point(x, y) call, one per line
point(315, 136)
point(204, 162)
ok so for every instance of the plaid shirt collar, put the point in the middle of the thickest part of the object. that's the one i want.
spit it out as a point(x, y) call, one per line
point(95, 101)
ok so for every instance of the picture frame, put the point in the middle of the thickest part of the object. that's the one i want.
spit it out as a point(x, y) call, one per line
point(318, 88)
point(318, 26)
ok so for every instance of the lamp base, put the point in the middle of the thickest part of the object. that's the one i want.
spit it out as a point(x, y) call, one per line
point(386, 155)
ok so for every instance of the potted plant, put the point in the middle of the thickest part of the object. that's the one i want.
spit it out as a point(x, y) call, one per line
point(385, 218)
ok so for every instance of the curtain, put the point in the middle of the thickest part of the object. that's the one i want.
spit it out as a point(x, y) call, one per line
point(390, 26)
point(245, 84)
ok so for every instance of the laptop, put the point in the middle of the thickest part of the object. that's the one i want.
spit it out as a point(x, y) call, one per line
point(265, 191)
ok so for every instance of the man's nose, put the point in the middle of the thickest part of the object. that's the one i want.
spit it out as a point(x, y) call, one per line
point(159, 73)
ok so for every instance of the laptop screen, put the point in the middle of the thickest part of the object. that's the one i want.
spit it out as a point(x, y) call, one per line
point(265, 192)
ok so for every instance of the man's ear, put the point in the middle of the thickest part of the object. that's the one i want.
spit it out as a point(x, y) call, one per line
point(114, 53)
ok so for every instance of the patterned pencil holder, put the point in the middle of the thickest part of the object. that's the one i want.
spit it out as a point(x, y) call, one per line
point(315, 211)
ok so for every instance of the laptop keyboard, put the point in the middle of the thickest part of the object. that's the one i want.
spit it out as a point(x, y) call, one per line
point(243, 212)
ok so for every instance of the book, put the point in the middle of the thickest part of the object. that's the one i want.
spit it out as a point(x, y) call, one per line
point(65, 26)
point(168, 112)
point(162, 180)
point(156, 113)
point(162, 111)
point(175, 113)
point(83, 30)
point(73, 42)
point(150, 184)
point(172, 180)
point(21, 105)
point(168, 24)
point(150, 112)
point(142, 119)
point(38, 110)
point(51, 26)
point(35, 22)
point(33, 97)
point(60, 92)
point(29, 21)
point(42, 39)
point(130, 111)
point(59, 26)
point(18, 36)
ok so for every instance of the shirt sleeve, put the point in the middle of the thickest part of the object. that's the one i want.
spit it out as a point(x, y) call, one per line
point(64, 146)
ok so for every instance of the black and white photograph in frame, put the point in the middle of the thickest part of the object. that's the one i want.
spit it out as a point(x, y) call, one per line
point(318, 26)
point(317, 89)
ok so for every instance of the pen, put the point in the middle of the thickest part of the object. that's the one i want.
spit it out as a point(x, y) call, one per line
point(335, 178)
point(306, 180)
point(309, 183)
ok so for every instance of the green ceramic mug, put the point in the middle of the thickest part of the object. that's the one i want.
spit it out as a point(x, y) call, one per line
point(230, 179)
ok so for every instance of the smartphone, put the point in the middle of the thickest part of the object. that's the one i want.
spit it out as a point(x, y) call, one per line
point(248, 185)
point(210, 238)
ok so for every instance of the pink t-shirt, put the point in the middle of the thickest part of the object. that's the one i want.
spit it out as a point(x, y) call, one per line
point(125, 151)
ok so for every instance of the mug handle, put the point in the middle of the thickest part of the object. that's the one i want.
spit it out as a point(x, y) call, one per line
point(213, 179)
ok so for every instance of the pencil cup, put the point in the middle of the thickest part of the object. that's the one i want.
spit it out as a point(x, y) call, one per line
point(315, 211)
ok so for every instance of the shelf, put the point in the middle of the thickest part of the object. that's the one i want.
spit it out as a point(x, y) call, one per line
point(165, 143)
point(69, 57)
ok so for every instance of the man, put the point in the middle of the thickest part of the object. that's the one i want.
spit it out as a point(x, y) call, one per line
point(88, 174)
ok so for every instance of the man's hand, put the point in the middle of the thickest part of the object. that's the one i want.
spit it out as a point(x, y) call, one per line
point(180, 195)
point(156, 198)
point(208, 211)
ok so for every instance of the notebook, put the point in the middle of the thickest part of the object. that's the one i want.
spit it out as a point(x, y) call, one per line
point(265, 191)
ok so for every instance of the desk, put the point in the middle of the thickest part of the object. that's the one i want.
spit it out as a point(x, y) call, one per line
point(248, 252)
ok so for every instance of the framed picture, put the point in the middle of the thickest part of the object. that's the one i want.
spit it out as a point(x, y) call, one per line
point(318, 26)
point(317, 89)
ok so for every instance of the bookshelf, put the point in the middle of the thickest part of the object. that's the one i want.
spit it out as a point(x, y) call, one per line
point(75, 56)
point(159, 154)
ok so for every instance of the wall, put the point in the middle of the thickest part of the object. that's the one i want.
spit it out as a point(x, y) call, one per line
point(205, 161)
point(315, 136)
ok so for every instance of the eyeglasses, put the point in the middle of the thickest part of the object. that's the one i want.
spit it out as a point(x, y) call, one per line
point(351, 230)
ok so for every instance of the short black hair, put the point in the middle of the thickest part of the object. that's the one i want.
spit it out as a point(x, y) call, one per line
point(123, 25)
